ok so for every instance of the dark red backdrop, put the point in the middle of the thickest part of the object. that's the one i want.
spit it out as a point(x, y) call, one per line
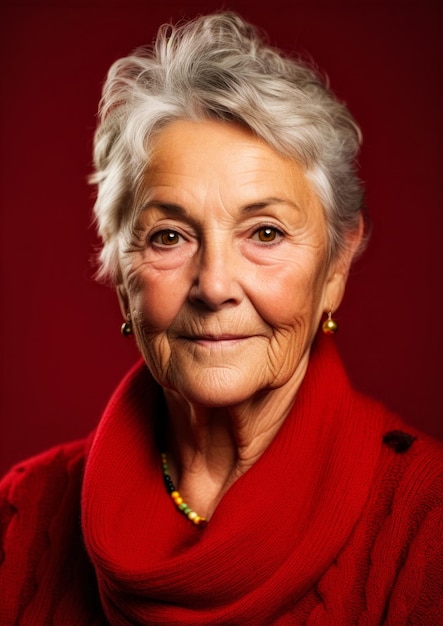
point(62, 353)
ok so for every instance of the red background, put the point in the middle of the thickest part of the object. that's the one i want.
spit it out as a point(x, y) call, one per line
point(62, 352)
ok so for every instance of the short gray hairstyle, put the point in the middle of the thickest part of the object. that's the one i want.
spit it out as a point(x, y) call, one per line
point(220, 67)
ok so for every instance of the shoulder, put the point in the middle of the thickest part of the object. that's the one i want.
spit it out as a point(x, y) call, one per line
point(44, 471)
point(407, 521)
point(410, 462)
point(412, 470)
point(36, 490)
point(414, 459)
point(407, 486)
point(400, 443)
point(40, 535)
point(395, 551)
point(412, 465)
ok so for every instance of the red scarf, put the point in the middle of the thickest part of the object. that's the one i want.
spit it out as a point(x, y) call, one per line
point(273, 535)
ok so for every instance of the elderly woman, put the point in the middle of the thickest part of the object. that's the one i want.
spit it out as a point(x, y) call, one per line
point(235, 477)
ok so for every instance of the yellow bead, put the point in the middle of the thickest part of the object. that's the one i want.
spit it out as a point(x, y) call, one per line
point(178, 500)
point(330, 327)
point(192, 515)
point(175, 494)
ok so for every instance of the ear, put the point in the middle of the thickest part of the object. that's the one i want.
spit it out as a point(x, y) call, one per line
point(339, 270)
point(123, 300)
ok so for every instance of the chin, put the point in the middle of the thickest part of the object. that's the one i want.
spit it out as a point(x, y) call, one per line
point(216, 390)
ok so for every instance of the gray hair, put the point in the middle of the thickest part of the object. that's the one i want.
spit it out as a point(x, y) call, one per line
point(220, 67)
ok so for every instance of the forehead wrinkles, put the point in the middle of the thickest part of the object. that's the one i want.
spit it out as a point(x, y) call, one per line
point(236, 187)
point(182, 200)
point(221, 166)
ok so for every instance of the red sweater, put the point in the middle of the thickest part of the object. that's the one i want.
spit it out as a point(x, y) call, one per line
point(337, 523)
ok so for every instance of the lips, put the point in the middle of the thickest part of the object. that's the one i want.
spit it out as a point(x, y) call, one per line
point(223, 340)
point(224, 337)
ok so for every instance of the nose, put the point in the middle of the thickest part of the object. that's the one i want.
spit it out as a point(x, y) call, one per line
point(217, 275)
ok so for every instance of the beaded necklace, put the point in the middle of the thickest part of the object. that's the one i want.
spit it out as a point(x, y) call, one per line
point(177, 499)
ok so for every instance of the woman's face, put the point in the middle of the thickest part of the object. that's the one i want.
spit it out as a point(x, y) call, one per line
point(226, 277)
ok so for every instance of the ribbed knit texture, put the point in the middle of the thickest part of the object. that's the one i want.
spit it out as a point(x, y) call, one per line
point(330, 526)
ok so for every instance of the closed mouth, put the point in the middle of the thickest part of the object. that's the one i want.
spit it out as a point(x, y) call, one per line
point(224, 339)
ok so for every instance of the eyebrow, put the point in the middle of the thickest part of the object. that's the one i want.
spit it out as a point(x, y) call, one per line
point(168, 207)
point(179, 211)
point(263, 204)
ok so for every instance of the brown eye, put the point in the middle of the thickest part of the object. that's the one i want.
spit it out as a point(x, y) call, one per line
point(266, 234)
point(167, 238)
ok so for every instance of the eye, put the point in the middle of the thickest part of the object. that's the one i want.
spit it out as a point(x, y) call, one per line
point(267, 234)
point(166, 238)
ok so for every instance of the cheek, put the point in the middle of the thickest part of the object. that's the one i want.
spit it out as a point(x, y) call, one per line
point(155, 303)
point(292, 307)
point(290, 297)
point(156, 299)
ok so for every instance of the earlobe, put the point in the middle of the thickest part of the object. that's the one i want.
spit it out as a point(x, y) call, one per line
point(334, 292)
point(122, 295)
point(336, 283)
point(123, 300)
point(339, 270)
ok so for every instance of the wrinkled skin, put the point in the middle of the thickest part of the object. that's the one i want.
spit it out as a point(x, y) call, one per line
point(225, 280)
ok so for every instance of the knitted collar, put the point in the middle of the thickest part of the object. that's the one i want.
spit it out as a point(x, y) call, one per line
point(274, 533)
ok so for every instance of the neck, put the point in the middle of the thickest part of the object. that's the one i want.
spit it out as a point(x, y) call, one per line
point(209, 448)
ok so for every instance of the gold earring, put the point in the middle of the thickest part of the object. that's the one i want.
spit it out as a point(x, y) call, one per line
point(330, 326)
point(126, 328)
